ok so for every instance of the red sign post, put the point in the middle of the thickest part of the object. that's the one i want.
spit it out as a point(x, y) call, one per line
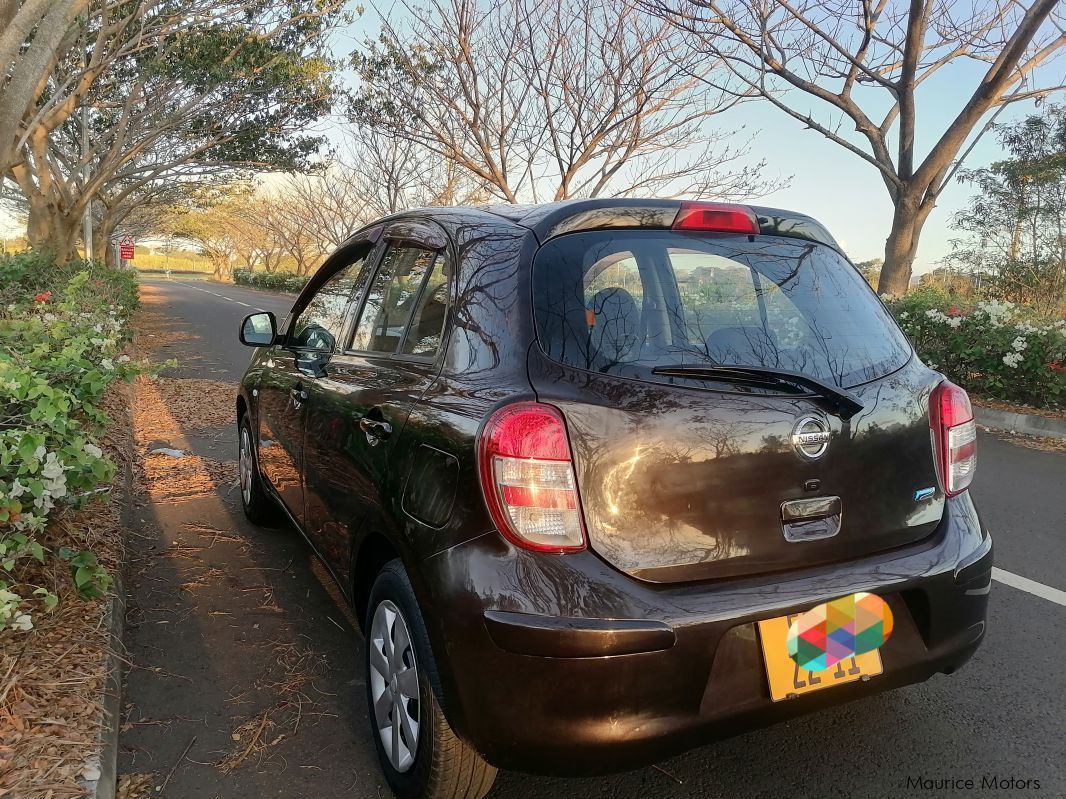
point(125, 248)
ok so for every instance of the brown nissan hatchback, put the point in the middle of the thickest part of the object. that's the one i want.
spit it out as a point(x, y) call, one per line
point(577, 467)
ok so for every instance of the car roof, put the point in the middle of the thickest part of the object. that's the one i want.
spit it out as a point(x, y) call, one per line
point(548, 220)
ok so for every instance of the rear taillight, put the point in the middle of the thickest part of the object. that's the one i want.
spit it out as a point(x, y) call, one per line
point(527, 474)
point(716, 217)
point(954, 433)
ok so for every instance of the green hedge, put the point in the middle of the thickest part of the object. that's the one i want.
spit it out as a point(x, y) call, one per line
point(272, 281)
point(993, 349)
point(62, 330)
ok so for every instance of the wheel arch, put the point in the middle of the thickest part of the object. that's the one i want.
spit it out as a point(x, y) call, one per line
point(373, 552)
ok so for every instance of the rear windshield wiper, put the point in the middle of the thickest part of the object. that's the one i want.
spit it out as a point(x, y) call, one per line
point(843, 402)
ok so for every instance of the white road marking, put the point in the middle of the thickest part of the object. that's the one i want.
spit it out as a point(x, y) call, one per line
point(1029, 586)
point(227, 299)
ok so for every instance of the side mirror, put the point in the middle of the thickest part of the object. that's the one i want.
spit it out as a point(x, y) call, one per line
point(259, 330)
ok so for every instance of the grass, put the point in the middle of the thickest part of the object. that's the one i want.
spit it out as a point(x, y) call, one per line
point(182, 261)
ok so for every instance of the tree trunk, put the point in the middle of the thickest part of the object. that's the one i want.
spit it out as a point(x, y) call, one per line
point(901, 247)
point(102, 249)
point(223, 270)
point(50, 231)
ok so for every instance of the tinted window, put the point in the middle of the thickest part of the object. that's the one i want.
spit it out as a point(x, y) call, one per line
point(625, 302)
point(319, 325)
point(407, 302)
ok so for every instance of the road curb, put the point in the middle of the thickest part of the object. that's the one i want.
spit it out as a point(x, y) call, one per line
point(1021, 423)
point(106, 785)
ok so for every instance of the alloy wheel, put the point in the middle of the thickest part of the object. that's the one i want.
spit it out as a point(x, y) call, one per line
point(246, 465)
point(394, 685)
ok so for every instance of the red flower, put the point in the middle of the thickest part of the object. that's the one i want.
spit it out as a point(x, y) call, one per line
point(44, 296)
point(1056, 366)
point(954, 311)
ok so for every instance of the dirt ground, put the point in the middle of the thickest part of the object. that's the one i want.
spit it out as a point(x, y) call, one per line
point(243, 668)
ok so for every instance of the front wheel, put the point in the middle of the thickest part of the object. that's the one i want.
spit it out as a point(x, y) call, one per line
point(421, 756)
point(259, 506)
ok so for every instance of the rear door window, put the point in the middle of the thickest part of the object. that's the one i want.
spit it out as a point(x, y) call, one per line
point(625, 302)
point(406, 304)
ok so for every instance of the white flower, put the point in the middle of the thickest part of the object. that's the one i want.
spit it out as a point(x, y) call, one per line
point(996, 311)
point(954, 321)
point(49, 317)
point(904, 315)
point(123, 358)
point(93, 451)
point(1012, 359)
point(1019, 343)
point(98, 328)
point(107, 363)
point(53, 467)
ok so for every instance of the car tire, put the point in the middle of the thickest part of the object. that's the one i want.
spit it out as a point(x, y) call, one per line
point(440, 765)
point(259, 506)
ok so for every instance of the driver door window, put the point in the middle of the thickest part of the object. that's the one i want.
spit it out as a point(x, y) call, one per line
point(318, 328)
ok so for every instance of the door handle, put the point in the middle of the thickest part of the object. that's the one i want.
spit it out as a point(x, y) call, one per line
point(376, 430)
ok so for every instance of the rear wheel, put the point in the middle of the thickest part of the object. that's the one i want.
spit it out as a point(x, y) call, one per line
point(421, 756)
point(259, 506)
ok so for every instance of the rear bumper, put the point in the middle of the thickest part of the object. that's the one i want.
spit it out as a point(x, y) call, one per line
point(563, 665)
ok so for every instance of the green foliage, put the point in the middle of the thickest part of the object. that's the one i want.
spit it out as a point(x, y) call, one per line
point(1013, 225)
point(62, 329)
point(271, 281)
point(261, 69)
point(871, 270)
point(994, 349)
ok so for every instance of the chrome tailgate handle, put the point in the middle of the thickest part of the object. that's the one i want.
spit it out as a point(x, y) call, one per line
point(810, 519)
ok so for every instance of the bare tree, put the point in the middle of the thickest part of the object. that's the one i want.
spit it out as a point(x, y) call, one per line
point(389, 173)
point(570, 98)
point(377, 174)
point(864, 63)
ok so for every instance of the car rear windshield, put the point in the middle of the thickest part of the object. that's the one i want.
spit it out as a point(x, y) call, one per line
point(625, 302)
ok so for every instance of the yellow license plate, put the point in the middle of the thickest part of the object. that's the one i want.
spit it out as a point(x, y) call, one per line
point(788, 680)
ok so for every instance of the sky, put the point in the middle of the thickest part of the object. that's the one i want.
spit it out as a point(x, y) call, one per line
point(836, 187)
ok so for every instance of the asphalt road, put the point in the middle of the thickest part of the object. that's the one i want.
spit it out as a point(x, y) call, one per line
point(1002, 718)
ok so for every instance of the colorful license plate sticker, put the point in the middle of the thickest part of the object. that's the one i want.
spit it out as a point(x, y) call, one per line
point(839, 630)
point(787, 680)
